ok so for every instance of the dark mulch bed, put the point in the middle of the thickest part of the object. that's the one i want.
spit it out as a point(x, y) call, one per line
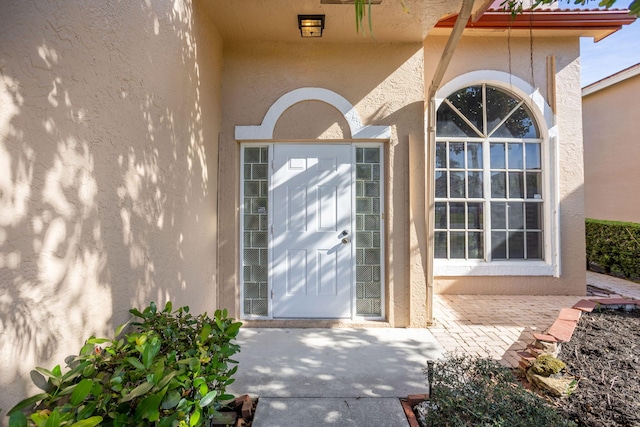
point(604, 354)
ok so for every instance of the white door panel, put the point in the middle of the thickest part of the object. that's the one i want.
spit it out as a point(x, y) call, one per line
point(312, 258)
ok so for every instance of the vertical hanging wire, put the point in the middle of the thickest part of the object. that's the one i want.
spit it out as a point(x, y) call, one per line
point(533, 79)
point(509, 54)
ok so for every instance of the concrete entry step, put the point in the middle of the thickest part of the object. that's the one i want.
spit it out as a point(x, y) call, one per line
point(356, 363)
point(318, 412)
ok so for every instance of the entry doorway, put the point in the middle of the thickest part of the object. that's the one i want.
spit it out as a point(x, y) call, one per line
point(312, 231)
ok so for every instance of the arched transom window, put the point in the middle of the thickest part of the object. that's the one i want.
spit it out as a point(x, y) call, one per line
point(489, 200)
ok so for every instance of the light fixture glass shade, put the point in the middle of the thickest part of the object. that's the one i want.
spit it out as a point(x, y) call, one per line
point(311, 25)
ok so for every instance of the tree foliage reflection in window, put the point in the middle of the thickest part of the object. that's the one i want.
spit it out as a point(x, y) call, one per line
point(488, 181)
point(485, 111)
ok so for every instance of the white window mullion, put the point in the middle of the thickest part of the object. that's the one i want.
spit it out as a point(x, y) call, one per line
point(491, 132)
point(486, 177)
point(484, 111)
point(464, 118)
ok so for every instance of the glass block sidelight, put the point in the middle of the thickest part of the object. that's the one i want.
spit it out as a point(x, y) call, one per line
point(368, 252)
point(255, 223)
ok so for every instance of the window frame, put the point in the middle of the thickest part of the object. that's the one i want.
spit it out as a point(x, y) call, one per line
point(543, 116)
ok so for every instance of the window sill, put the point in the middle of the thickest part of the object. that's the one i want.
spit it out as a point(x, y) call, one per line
point(495, 268)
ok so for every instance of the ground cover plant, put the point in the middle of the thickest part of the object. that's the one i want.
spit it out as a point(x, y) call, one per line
point(170, 369)
point(604, 354)
point(474, 391)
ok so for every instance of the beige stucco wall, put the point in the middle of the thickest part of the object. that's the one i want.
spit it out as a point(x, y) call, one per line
point(495, 53)
point(389, 91)
point(385, 84)
point(111, 191)
point(611, 150)
point(109, 119)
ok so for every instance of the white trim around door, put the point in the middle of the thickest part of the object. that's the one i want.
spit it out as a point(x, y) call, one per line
point(312, 231)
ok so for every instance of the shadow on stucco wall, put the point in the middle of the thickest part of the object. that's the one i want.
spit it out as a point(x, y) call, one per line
point(109, 115)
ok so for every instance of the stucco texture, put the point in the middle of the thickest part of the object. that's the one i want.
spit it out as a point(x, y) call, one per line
point(119, 168)
point(384, 82)
point(611, 152)
point(515, 56)
point(109, 120)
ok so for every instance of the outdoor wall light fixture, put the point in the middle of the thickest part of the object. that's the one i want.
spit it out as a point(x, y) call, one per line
point(311, 25)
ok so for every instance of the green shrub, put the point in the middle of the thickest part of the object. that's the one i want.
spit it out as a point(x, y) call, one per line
point(614, 246)
point(472, 391)
point(171, 370)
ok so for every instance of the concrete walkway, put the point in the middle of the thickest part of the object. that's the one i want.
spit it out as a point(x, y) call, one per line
point(339, 377)
point(354, 377)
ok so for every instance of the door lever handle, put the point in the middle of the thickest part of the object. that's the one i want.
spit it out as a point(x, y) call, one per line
point(344, 233)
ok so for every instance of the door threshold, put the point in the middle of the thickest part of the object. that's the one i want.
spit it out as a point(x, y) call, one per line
point(315, 323)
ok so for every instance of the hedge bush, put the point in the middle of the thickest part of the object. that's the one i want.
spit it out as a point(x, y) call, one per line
point(170, 370)
point(614, 246)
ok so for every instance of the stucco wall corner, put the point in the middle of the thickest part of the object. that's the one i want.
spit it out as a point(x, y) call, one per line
point(109, 116)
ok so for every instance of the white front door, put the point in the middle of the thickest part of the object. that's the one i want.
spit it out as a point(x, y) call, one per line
point(312, 245)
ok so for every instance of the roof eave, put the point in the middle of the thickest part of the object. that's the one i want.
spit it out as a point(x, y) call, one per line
point(595, 23)
point(611, 80)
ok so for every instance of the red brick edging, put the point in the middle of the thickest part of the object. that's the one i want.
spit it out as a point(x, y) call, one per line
point(562, 329)
point(408, 404)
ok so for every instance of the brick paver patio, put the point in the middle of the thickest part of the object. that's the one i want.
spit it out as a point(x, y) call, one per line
point(499, 326)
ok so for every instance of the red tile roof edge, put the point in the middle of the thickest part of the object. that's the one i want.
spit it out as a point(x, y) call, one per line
point(548, 19)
